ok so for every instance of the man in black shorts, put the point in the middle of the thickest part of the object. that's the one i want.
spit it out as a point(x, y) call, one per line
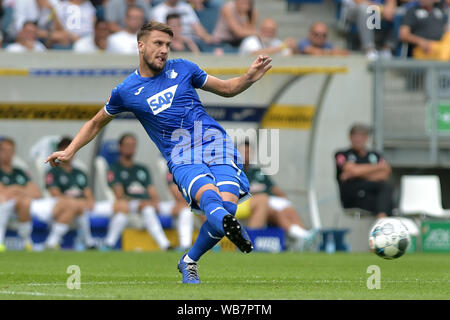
point(363, 176)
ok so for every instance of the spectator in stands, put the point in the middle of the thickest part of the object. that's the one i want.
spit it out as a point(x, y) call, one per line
point(237, 21)
point(116, 10)
point(265, 42)
point(132, 182)
point(27, 40)
point(124, 42)
point(363, 175)
point(190, 24)
point(76, 19)
point(423, 27)
point(20, 195)
point(73, 182)
point(317, 43)
point(39, 11)
point(359, 12)
point(96, 42)
point(180, 42)
point(281, 212)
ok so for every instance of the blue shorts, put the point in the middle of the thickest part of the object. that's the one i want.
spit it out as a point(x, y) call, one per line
point(185, 176)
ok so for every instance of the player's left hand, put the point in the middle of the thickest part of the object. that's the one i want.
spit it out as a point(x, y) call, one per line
point(259, 67)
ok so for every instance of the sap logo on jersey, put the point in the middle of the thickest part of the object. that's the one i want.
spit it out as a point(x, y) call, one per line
point(162, 100)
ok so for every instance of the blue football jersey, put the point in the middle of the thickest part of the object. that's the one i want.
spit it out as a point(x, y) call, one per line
point(169, 109)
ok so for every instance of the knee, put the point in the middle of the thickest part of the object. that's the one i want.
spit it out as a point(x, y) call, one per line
point(121, 206)
point(201, 191)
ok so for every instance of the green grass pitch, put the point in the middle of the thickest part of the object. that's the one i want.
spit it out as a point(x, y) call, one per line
point(224, 275)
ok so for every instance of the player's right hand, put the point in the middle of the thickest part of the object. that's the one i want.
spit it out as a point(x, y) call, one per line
point(56, 157)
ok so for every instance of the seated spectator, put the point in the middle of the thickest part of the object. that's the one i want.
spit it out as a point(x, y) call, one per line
point(237, 21)
point(76, 19)
point(39, 11)
point(363, 176)
point(358, 11)
point(423, 27)
point(124, 42)
point(190, 24)
point(20, 195)
point(316, 43)
point(132, 182)
point(27, 40)
point(265, 42)
point(179, 42)
point(115, 12)
point(280, 213)
point(72, 182)
point(96, 42)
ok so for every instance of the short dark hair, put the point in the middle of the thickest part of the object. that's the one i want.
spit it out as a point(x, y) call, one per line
point(64, 143)
point(360, 128)
point(7, 140)
point(126, 135)
point(172, 16)
point(154, 26)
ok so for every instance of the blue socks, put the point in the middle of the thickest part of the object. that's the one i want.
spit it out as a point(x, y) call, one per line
point(212, 205)
point(207, 238)
point(211, 231)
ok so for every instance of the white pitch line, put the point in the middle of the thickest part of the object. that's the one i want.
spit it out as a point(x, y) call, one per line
point(44, 294)
point(99, 283)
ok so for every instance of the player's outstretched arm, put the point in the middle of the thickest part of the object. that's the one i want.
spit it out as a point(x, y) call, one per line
point(88, 132)
point(234, 86)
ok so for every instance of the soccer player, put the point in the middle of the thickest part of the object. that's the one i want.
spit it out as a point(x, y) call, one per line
point(132, 182)
point(72, 182)
point(161, 93)
point(21, 195)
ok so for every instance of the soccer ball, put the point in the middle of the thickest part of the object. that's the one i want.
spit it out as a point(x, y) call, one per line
point(389, 238)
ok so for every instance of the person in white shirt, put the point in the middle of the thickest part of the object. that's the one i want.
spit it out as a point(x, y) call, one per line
point(76, 19)
point(124, 42)
point(40, 11)
point(190, 24)
point(265, 42)
point(26, 40)
point(96, 42)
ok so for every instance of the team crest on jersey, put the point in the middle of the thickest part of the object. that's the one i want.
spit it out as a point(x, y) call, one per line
point(171, 74)
point(162, 100)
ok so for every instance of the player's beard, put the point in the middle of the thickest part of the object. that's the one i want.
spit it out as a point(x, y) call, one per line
point(153, 66)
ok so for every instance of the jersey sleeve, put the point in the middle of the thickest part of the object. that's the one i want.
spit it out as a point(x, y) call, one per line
point(50, 180)
point(115, 104)
point(113, 176)
point(341, 159)
point(83, 184)
point(198, 76)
